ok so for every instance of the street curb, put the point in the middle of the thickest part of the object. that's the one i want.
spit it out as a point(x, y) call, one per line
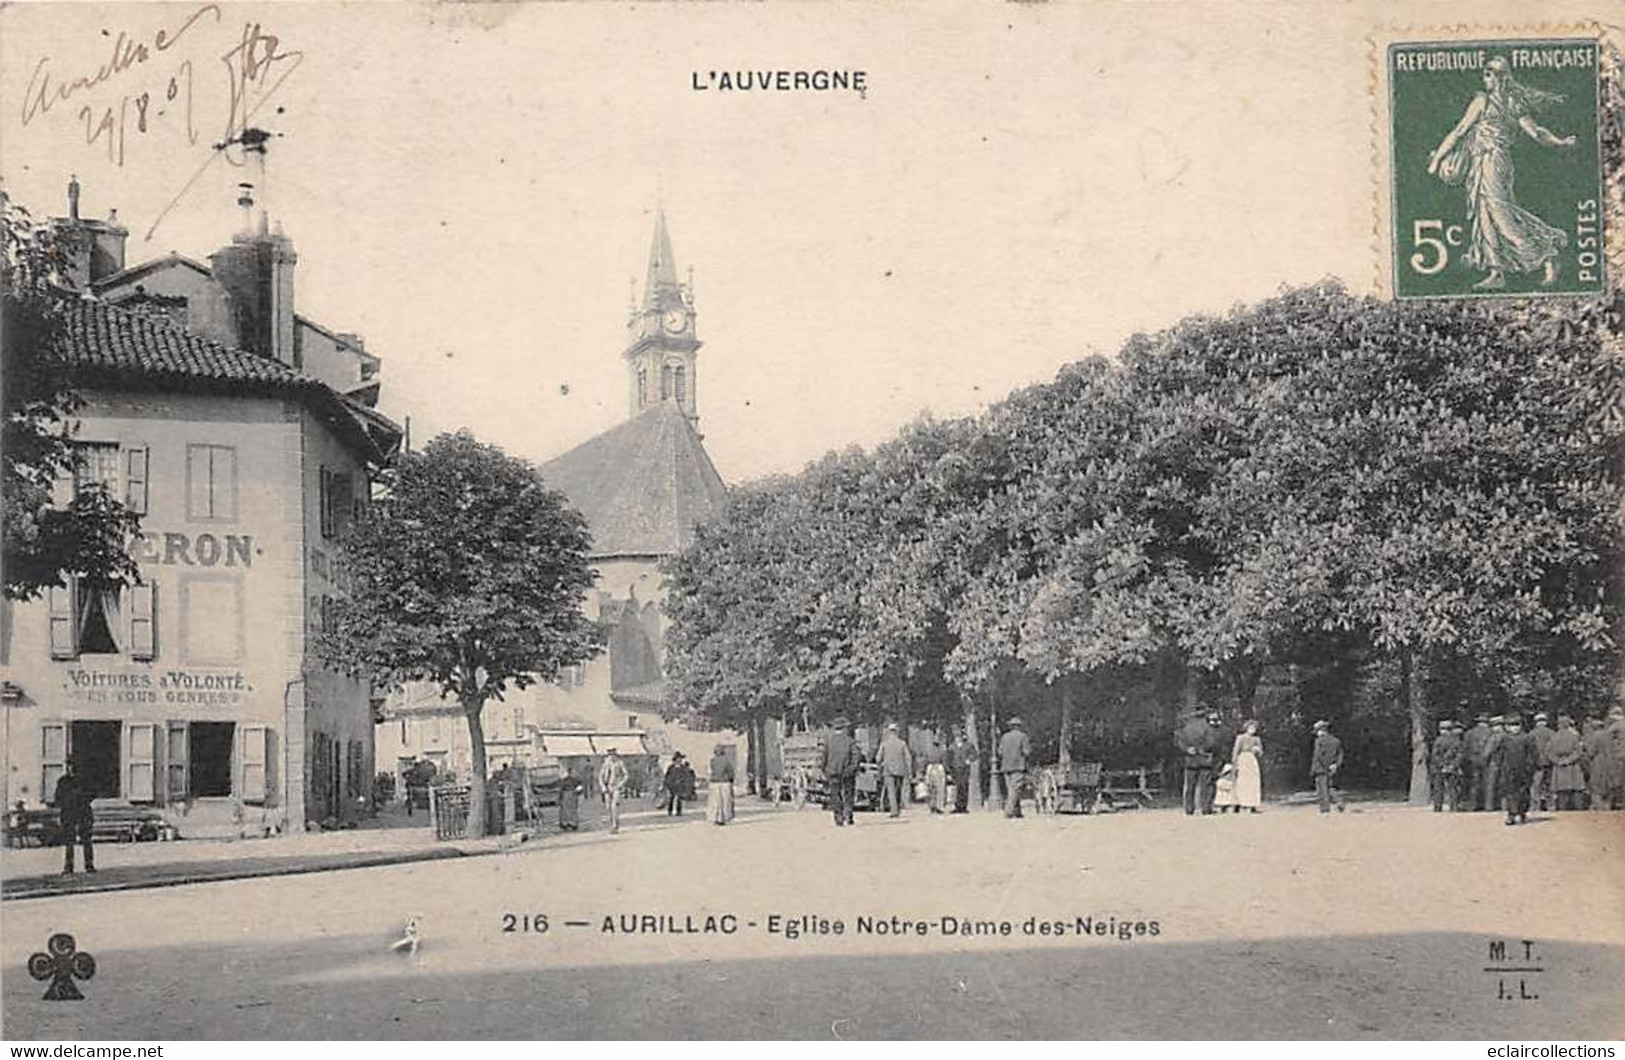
point(360, 862)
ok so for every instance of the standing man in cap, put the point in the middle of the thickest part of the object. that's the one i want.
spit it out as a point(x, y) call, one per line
point(612, 783)
point(1014, 750)
point(1540, 792)
point(1324, 764)
point(1494, 747)
point(1198, 740)
point(1444, 769)
point(1616, 759)
point(1474, 757)
point(841, 761)
point(896, 766)
point(1565, 752)
point(75, 816)
point(1518, 768)
point(1594, 761)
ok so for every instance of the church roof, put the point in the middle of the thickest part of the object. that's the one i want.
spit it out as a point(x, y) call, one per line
point(642, 485)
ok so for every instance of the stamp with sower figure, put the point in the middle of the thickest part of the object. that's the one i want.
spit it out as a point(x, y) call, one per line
point(1496, 168)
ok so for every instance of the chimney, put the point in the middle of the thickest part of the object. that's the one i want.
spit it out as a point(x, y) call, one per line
point(94, 249)
point(256, 270)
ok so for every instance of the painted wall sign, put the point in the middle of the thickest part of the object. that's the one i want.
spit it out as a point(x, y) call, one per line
point(195, 550)
point(171, 687)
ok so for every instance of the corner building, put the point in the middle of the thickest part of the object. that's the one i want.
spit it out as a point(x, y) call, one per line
point(198, 690)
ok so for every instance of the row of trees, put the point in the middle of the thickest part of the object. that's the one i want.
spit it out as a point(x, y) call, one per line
point(1430, 489)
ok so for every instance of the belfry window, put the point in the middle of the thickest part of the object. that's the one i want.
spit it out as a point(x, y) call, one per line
point(679, 388)
point(643, 388)
point(665, 382)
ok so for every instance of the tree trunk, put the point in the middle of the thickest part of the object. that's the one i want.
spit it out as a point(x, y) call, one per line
point(1416, 709)
point(1066, 725)
point(476, 782)
point(750, 755)
point(994, 793)
point(760, 778)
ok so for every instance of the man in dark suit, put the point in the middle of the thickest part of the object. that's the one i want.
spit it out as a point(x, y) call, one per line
point(1326, 761)
point(1474, 759)
point(960, 759)
point(1519, 766)
point(1540, 791)
point(76, 818)
point(1494, 754)
point(1198, 740)
point(841, 760)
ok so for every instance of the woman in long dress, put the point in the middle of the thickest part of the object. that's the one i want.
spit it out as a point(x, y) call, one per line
point(1248, 757)
point(720, 807)
point(1478, 154)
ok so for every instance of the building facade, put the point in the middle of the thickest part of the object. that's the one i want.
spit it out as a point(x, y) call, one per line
point(198, 689)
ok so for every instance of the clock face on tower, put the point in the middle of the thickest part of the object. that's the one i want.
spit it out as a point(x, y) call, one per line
point(674, 320)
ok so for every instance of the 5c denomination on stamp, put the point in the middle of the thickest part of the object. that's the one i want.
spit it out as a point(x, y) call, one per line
point(1496, 173)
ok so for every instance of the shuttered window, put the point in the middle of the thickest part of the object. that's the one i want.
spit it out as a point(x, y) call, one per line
point(142, 603)
point(140, 761)
point(255, 757)
point(176, 761)
point(211, 482)
point(135, 478)
point(64, 620)
point(53, 757)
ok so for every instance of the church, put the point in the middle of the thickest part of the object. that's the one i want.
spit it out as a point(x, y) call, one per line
point(643, 486)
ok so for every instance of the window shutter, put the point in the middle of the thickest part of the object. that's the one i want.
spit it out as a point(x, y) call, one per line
point(140, 757)
point(142, 603)
point(135, 479)
point(175, 762)
point(253, 758)
point(53, 757)
point(64, 627)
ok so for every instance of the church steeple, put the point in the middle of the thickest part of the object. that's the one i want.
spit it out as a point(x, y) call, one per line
point(661, 355)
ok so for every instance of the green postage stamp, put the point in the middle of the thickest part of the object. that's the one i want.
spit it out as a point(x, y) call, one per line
point(1496, 174)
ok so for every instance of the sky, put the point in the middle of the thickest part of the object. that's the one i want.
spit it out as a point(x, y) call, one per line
point(471, 187)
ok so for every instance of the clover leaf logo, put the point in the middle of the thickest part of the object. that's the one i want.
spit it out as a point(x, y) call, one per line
point(62, 963)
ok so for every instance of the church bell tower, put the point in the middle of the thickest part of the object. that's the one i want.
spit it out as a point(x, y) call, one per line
point(662, 349)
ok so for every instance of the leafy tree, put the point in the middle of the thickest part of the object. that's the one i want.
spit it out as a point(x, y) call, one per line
point(48, 537)
point(469, 573)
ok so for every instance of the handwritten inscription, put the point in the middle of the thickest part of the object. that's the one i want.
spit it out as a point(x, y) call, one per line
point(163, 80)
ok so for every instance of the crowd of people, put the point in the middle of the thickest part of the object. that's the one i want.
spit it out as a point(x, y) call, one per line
point(1501, 763)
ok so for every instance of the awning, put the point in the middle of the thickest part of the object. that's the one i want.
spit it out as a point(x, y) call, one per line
point(563, 745)
point(628, 744)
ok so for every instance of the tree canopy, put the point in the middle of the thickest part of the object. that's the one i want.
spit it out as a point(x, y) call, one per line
point(50, 533)
point(468, 573)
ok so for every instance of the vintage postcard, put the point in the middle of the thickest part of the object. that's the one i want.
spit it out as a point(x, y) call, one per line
point(821, 521)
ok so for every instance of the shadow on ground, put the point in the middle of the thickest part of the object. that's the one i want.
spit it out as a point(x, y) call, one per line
point(1426, 986)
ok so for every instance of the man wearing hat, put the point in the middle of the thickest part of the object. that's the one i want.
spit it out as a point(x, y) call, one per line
point(1594, 761)
point(612, 782)
point(1444, 768)
point(1474, 758)
point(1540, 792)
point(1518, 768)
point(1494, 748)
point(962, 759)
point(1014, 750)
point(1198, 741)
point(1567, 777)
point(840, 764)
point(1616, 759)
point(679, 784)
point(896, 766)
point(1324, 764)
